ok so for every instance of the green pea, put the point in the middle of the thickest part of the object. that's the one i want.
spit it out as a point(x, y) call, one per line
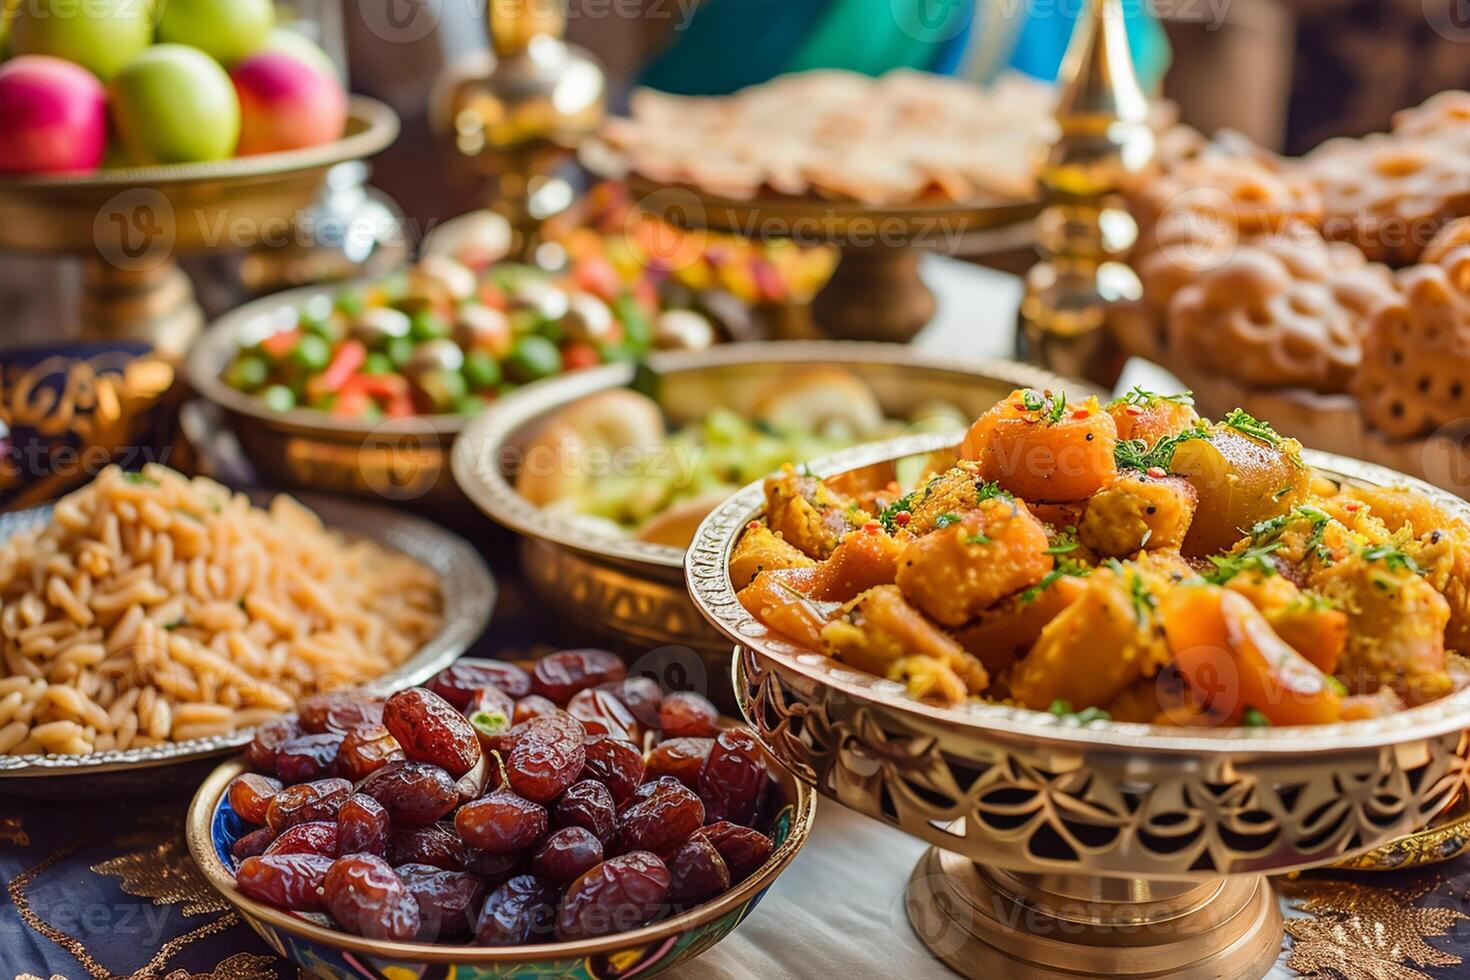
point(428, 325)
point(349, 302)
point(279, 398)
point(482, 371)
point(533, 358)
point(311, 353)
point(247, 372)
point(377, 364)
point(636, 327)
point(323, 326)
point(400, 350)
point(469, 405)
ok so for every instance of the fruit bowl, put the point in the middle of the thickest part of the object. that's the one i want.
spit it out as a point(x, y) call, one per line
point(1123, 849)
point(325, 951)
point(131, 223)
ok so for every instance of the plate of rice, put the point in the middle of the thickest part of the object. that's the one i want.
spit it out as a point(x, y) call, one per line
point(151, 619)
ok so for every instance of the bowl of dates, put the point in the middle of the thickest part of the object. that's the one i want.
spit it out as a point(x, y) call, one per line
point(566, 820)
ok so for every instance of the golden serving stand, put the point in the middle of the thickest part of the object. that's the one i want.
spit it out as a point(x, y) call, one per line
point(1063, 851)
point(875, 293)
point(130, 225)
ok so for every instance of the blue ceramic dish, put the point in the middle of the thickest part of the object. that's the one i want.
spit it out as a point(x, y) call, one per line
point(314, 944)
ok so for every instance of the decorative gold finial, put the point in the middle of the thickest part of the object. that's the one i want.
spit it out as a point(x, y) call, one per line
point(517, 112)
point(1084, 233)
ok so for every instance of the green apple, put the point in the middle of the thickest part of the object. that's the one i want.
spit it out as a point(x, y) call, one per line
point(99, 35)
point(226, 30)
point(175, 104)
point(294, 44)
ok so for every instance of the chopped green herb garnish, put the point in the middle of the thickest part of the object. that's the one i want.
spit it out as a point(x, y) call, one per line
point(1242, 421)
point(1062, 547)
point(1065, 567)
point(1062, 708)
point(1136, 454)
point(989, 491)
point(1144, 601)
point(1254, 719)
point(141, 479)
point(889, 515)
point(1032, 400)
point(1392, 557)
point(1336, 685)
point(1256, 558)
point(977, 539)
point(1142, 397)
point(945, 520)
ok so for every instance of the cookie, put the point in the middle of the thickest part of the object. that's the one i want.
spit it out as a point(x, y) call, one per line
point(1415, 375)
point(1282, 311)
point(1390, 194)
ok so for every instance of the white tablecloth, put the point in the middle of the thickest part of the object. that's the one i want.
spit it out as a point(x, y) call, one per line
point(838, 911)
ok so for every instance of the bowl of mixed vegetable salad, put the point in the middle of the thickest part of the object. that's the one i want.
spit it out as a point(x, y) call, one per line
point(361, 388)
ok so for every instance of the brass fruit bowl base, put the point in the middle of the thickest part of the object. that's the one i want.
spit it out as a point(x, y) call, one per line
point(875, 293)
point(130, 224)
point(988, 923)
point(1068, 850)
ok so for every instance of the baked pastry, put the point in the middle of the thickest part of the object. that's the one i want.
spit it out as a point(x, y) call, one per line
point(905, 137)
point(1283, 311)
point(1444, 115)
point(1390, 194)
point(1415, 375)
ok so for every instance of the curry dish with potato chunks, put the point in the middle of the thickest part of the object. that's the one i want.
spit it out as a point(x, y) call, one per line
point(1129, 561)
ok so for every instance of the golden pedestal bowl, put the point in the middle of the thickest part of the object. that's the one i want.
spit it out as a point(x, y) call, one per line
point(131, 224)
point(1067, 850)
point(875, 293)
point(630, 594)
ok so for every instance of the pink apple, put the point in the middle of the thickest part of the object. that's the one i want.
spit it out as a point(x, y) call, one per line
point(286, 104)
point(53, 116)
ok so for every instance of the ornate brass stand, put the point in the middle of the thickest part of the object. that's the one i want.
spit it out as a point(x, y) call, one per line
point(130, 225)
point(1084, 233)
point(516, 114)
point(875, 292)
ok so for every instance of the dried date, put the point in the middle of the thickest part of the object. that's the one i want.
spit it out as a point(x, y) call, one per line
point(261, 752)
point(458, 682)
point(617, 895)
point(363, 826)
point(561, 675)
point(685, 714)
point(565, 855)
point(430, 730)
point(364, 895)
point(250, 796)
point(365, 750)
point(682, 758)
point(448, 901)
point(697, 873)
point(743, 850)
point(501, 823)
point(602, 713)
point(660, 823)
point(518, 912)
point(412, 792)
point(305, 802)
point(437, 844)
point(533, 706)
point(312, 837)
point(587, 804)
point(616, 764)
point(308, 757)
point(546, 758)
point(339, 712)
point(253, 843)
point(733, 778)
point(286, 881)
point(641, 695)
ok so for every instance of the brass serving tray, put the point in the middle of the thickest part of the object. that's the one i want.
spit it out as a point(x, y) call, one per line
point(1163, 830)
point(469, 597)
point(631, 593)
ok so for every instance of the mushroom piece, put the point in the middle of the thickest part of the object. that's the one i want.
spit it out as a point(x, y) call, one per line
point(587, 319)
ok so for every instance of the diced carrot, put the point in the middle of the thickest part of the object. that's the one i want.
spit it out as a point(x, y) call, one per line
point(348, 360)
point(280, 343)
